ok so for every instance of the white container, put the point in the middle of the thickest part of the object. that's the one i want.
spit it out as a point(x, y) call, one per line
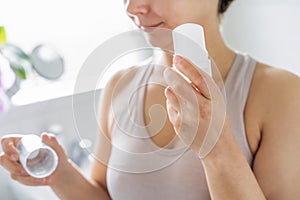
point(37, 158)
point(189, 42)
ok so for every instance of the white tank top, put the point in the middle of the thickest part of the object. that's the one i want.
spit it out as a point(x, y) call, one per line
point(138, 169)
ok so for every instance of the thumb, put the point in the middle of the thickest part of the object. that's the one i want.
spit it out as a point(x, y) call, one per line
point(51, 140)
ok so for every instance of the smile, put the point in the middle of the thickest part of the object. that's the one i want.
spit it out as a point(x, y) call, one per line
point(151, 27)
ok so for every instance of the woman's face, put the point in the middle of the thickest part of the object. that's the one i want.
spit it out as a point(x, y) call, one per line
point(149, 14)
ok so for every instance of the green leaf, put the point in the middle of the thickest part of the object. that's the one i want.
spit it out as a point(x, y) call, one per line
point(2, 35)
point(19, 70)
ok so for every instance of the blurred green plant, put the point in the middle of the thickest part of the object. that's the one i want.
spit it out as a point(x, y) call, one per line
point(19, 70)
point(16, 58)
point(20, 62)
point(2, 35)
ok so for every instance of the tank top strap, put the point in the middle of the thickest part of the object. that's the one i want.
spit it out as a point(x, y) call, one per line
point(240, 77)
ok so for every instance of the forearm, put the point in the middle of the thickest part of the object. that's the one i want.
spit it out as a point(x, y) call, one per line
point(73, 185)
point(228, 174)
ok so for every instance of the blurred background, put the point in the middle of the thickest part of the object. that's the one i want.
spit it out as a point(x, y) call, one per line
point(267, 29)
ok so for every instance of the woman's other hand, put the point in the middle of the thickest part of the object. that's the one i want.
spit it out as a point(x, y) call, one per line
point(9, 159)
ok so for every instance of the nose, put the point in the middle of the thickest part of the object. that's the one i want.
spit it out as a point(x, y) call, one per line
point(135, 8)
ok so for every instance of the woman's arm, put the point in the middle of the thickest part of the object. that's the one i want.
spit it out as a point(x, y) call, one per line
point(276, 164)
point(70, 184)
point(103, 146)
point(73, 185)
point(277, 161)
point(229, 176)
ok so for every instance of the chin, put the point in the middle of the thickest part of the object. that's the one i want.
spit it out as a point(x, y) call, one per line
point(160, 38)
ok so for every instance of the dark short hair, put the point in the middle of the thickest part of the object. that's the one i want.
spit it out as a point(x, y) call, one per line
point(223, 5)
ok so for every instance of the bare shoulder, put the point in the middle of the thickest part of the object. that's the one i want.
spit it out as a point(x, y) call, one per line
point(276, 89)
point(276, 163)
point(276, 78)
point(118, 76)
point(116, 83)
point(274, 95)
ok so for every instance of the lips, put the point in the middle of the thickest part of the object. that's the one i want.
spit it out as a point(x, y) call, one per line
point(150, 27)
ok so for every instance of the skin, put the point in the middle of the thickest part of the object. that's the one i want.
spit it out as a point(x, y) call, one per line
point(271, 126)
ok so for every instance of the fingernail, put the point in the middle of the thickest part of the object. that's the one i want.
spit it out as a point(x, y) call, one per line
point(166, 91)
point(177, 60)
point(45, 137)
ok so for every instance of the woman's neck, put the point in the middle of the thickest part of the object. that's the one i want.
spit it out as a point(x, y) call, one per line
point(218, 51)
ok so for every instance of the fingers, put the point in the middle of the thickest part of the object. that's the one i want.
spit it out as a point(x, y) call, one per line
point(9, 159)
point(30, 181)
point(173, 115)
point(51, 140)
point(172, 99)
point(173, 107)
point(12, 166)
point(194, 74)
point(8, 144)
point(18, 173)
point(179, 86)
point(182, 90)
point(182, 100)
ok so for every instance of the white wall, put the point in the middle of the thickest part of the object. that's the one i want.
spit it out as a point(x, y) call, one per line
point(73, 27)
point(267, 29)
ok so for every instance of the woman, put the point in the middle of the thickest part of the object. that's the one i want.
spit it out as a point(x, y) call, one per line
point(254, 158)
